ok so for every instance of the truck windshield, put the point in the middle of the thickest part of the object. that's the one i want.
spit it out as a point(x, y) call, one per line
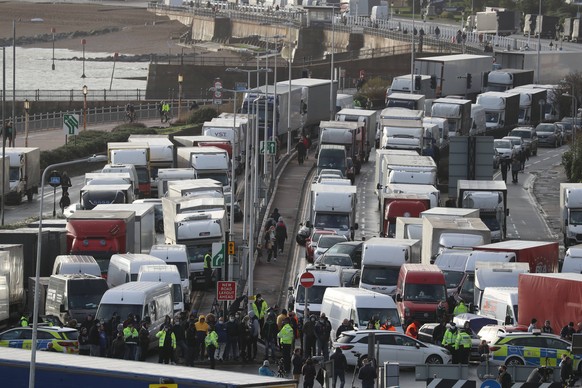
point(406, 104)
point(143, 175)
point(14, 174)
point(521, 114)
point(491, 222)
point(425, 292)
point(453, 278)
point(106, 311)
point(492, 117)
point(182, 268)
point(85, 294)
point(468, 289)
point(380, 276)
point(575, 217)
point(90, 199)
point(332, 221)
point(314, 295)
point(221, 177)
point(196, 252)
point(382, 315)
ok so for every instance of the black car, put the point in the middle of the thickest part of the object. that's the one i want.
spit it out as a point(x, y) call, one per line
point(352, 248)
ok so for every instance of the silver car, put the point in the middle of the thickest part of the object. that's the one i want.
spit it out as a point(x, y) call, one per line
point(505, 148)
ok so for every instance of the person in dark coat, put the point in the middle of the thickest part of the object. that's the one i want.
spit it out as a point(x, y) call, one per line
point(118, 347)
point(297, 364)
point(340, 364)
point(367, 374)
point(504, 166)
point(275, 215)
point(301, 151)
point(515, 167)
point(504, 378)
point(308, 371)
point(309, 337)
point(280, 234)
point(566, 371)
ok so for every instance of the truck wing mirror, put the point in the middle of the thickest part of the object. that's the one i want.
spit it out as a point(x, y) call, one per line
point(308, 224)
point(398, 298)
point(356, 226)
point(290, 289)
point(379, 186)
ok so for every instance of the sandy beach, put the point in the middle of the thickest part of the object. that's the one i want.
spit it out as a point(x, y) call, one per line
point(132, 30)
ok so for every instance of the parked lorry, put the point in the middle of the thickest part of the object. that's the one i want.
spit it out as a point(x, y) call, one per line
point(421, 84)
point(546, 26)
point(137, 154)
point(198, 230)
point(457, 112)
point(530, 105)
point(204, 141)
point(161, 151)
point(400, 205)
point(439, 233)
point(101, 234)
point(409, 227)
point(333, 207)
point(11, 283)
point(571, 213)
point(402, 129)
point(367, 122)
point(24, 173)
point(450, 212)
point(490, 197)
point(432, 193)
point(344, 134)
point(93, 195)
point(554, 65)
point(194, 187)
point(550, 295)
point(501, 111)
point(207, 162)
point(145, 233)
point(380, 166)
point(166, 175)
point(542, 256)
point(495, 274)
point(233, 131)
point(381, 262)
point(451, 73)
point(176, 255)
point(405, 100)
point(500, 23)
point(504, 79)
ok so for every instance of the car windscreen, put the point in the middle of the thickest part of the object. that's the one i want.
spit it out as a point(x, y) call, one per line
point(519, 133)
point(380, 314)
point(314, 295)
point(329, 241)
point(85, 294)
point(424, 292)
point(105, 311)
point(344, 261)
point(453, 278)
point(502, 143)
point(380, 276)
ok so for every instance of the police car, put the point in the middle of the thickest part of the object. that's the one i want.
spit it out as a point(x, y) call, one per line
point(534, 349)
point(64, 339)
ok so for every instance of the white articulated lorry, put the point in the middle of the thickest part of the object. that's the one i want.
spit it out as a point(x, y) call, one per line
point(554, 65)
point(382, 259)
point(490, 197)
point(571, 213)
point(339, 133)
point(403, 84)
point(367, 122)
point(234, 132)
point(452, 71)
point(24, 173)
point(166, 175)
point(161, 150)
point(380, 165)
point(334, 208)
point(504, 79)
point(501, 111)
point(439, 233)
point(197, 230)
point(530, 105)
point(137, 154)
point(207, 162)
point(456, 111)
point(402, 129)
point(406, 101)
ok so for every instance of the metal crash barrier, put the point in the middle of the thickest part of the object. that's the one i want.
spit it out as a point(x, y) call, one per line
point(434, 371)
point(519, 373)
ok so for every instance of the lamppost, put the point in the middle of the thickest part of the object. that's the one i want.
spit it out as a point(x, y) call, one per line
point(85, 91)
point(52, 167)
point(412, 52)
point(180, 80)
point(53, 30)
point(26, 117)
point(539, 41)
point(331, 77)
point(83, 42)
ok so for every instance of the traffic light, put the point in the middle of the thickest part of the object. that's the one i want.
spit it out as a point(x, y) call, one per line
point(417, 80)
point(433, 82)
point(469, 80)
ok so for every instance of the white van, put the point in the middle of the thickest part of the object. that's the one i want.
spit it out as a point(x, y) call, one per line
point(142, 299)
point(176, 254)
point(573, 259)
point(76, 264)
point(124, 267)
point(168, 274)
point(324, 277)
point(500, 303)
point(74, 296)
point(359, 305)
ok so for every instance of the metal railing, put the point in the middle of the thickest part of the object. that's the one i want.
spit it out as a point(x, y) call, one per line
point(77, 95)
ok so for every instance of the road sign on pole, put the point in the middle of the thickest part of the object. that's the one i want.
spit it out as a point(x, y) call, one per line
point(268, 147)
point(71, 124)
point(217, 255)
point(307, 280)
point(217, 91)
point(225, 291)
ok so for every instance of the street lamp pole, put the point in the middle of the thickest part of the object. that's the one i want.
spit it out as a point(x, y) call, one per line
point(412, 53)
point(331, 76)
point(26, 120)
point(31, 375)
point(539, 42)
point(180, 80)
point(83, 42)
point(85, 91)
point(53, 30)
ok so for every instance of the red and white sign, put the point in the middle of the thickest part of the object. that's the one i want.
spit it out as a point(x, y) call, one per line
point(225, 291)
point(307, 279)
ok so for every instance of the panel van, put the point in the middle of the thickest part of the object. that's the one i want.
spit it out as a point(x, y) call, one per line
point(124, 267)
point(331, 156)
point(74, 296)
point(324, 277)
point(419, 290)
point(358, 305)
point(76, 264)
point(177, 255)
point(573, 260)
point(151, 300)
point(500, 303)
point(168, 274)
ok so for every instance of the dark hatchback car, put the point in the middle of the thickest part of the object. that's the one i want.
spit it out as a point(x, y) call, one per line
point(549, 135)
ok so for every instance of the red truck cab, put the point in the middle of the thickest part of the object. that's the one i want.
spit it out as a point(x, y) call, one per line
point(401, 205)
point(419, 290)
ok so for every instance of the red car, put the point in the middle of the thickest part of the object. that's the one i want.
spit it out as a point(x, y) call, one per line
point(311, 243)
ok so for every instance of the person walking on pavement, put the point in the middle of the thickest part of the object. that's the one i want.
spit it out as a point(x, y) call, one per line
point(340, 364)
point(367, 374)
point(504, 167)
point(271, 244)
point(309, 337)
point(297, 364)
point(300, 147)
point(504, 378)
point(308, 371)
point(65, 202)
point(260, 308)
point(269, 335)
point(286, 337)
point(211, 342)
point(280, 234)
point(208, 269)
point(166, 344)
point(515, 166)
point(275, 215)
point(65, 182)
